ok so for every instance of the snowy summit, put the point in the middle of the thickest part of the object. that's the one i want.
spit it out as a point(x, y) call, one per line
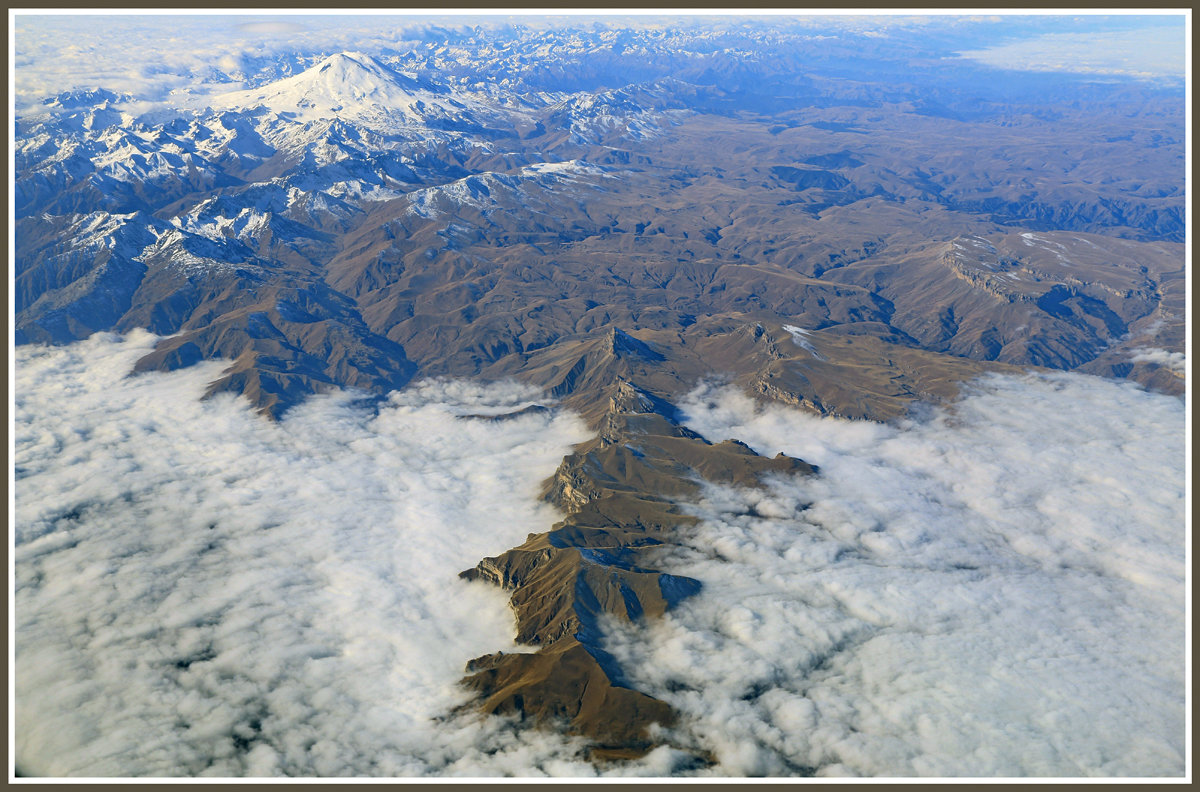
point(356, 87)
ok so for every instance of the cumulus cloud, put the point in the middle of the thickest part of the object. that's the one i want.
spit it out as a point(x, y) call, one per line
point(995, 590)
point(202, 592)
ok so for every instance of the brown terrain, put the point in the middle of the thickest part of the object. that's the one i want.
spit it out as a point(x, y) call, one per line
point(849, 256)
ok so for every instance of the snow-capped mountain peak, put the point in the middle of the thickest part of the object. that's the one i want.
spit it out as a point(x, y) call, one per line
point(355, 87)
point(350, 76)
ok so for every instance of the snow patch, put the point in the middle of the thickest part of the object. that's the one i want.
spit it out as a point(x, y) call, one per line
point(799, 337)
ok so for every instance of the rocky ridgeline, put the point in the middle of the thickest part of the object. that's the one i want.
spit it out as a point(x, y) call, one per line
point(620, 492)
point(989, 278)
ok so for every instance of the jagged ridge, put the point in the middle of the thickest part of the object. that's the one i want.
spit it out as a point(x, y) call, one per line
point(619, 491)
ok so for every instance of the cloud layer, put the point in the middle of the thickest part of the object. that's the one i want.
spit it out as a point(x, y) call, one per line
point(1175, 361)
point(996, 590)
point(1154, 51)
point(991, 590)
point(201, 592)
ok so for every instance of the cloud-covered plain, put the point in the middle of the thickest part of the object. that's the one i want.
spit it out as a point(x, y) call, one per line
point(995, 590)
point(1151, 52)
point(202, 592)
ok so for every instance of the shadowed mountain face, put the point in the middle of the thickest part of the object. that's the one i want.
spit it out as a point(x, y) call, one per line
point(839, 226)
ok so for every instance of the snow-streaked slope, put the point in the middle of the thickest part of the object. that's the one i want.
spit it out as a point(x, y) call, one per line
point(533, 187)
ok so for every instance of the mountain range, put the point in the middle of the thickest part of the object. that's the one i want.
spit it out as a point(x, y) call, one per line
point(644, 212)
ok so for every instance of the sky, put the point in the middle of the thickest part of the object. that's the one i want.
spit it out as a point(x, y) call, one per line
point(995, 589)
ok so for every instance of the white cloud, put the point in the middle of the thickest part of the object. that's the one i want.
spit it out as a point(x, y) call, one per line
point(271, 26)
point(995, 591)
point(1144, 53)
point(1175, 361)
point(201, 592)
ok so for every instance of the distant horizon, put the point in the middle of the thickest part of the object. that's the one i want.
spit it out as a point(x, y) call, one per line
point(52, 50)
